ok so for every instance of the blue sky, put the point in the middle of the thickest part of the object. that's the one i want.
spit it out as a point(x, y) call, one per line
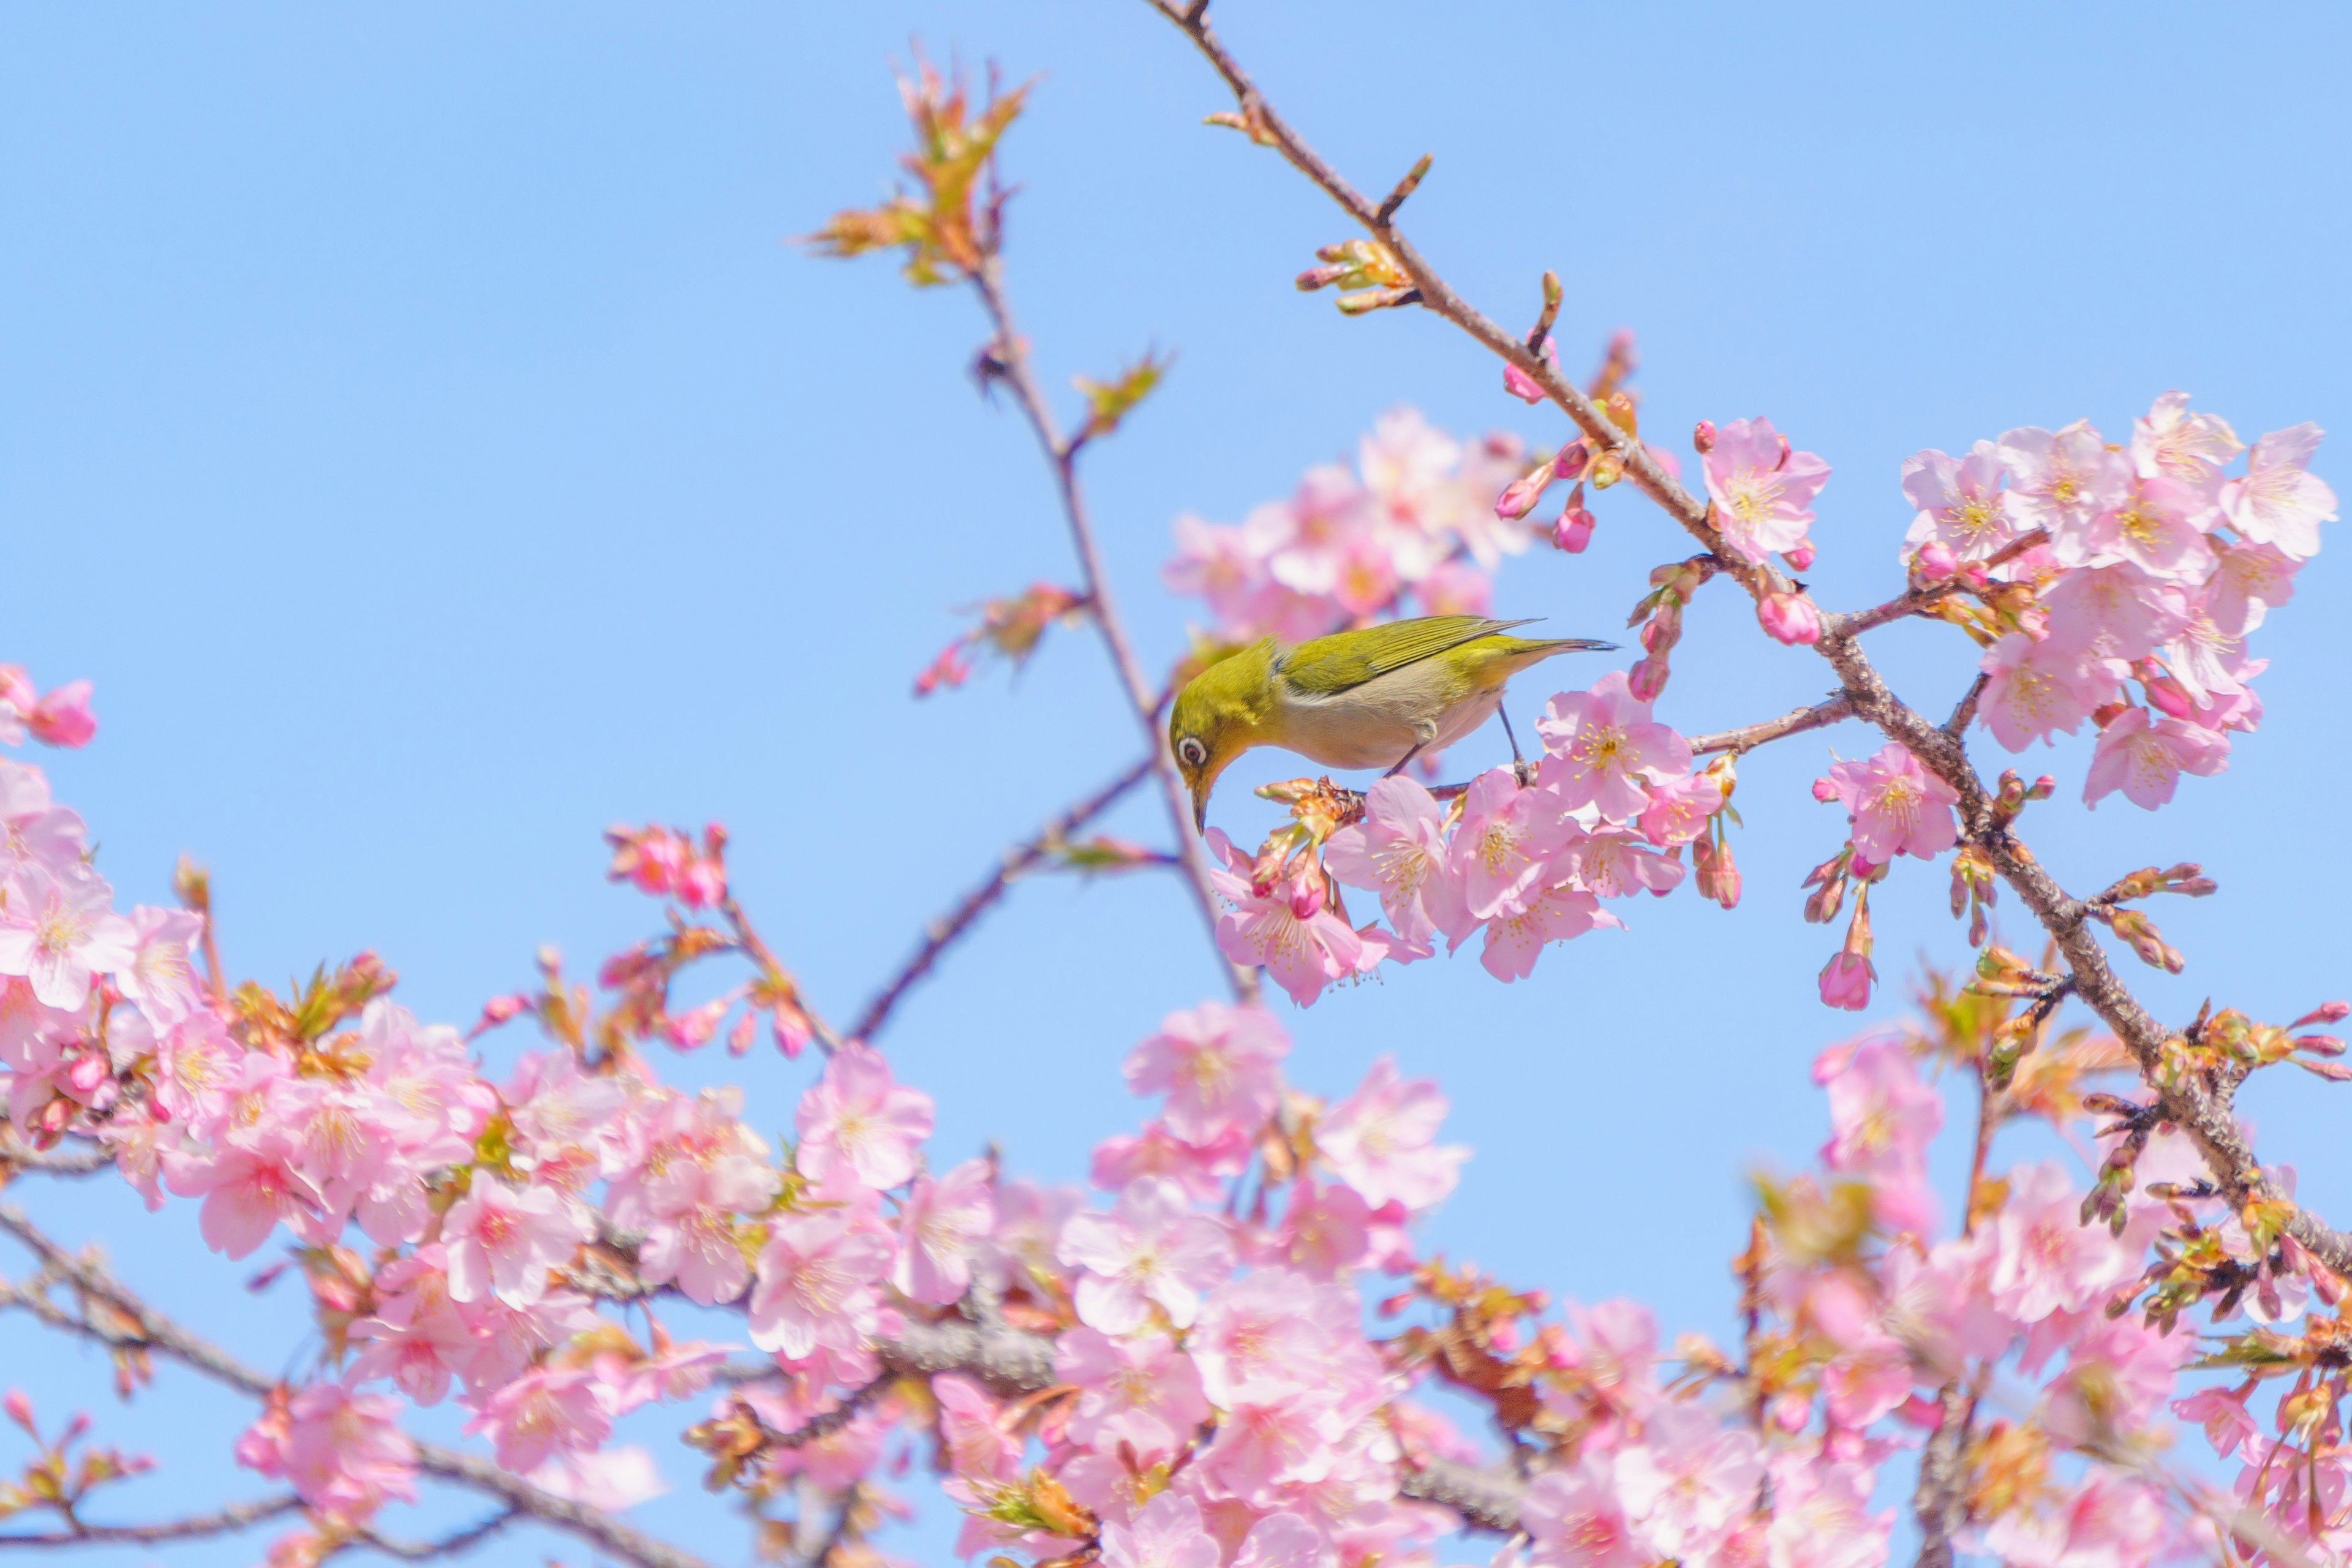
point(415, 421)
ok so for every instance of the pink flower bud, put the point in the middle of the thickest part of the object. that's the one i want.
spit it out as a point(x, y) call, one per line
point(1936, 561)
point(1791, 619)
point(2166, 694)
point(1824, 791)
point(1306, 898)
point(1845, 981)
point(19, 1408)
point(1521, 496)
point(2326, 1013)
point(1800, 558)
point(1521, 385)
point(1570, 461)
point(701, 882)
point(1573, 532)
point(1648, 679)
point(1702, 437)
point(63, 717)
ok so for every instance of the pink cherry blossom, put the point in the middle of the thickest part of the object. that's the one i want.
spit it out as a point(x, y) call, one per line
point(247, 1189)
point(57, 929)
point(1200, 1169)
point(1219, 1068)
point(1398, 851)
point(2188, 448)
point(2249, 580)
point(856, 1118)
point(1381, 1140)
point(1895, 805)
point(1167, 1533)
point(817, 1286)
point(543, 1412)
point(692, 1235)
point(1503, 847)
point(2038, 690)
point(1149, 1251)
point(159, 980)
point(2145, 760)
point(1615, 863)
point(502, 1240)
point(2279, 501)
point(2046, 1259)
point(1883, 1118)
point(1574, 1518)
point(2113, 612)
point(1962, 505)
point(1302, 942)
point(1762, 493)
point(2155, 524)
point(62, 717)
point(1679, 808)
point(1138, 1389)
point(1604, 747)
point(343, 1453)
point(940, 1230)
point(2059, 482)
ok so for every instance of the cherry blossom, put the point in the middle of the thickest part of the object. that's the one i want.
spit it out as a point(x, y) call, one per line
point(2145, 760)
point(1762, 491)
point(1147, 1252)
point(1381, 1140)
point(1896, 806)
point(856, 1118)
point(1219, 1068)
point(1604, 747)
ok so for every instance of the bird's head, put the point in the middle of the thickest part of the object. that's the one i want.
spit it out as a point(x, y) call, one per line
point(1220, 713)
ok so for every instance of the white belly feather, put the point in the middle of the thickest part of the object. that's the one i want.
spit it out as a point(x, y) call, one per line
point(1375, 725)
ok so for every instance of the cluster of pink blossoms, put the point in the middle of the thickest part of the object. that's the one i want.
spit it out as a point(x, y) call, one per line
point(1416, 517)
point(1614, 801)
point(1217, 1400)
point(2149, 564)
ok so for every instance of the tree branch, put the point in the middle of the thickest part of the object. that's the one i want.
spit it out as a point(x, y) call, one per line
point(144, 1327)
point(1012, 364)
point(2204, 1116)
point(234, 1517)
point(942, 933)
point(1821, 715)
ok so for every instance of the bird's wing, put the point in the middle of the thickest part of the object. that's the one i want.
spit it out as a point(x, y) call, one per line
point(1344, 660)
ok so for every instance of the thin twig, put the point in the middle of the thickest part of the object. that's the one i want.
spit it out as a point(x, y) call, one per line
point(234, 1517)
point(1821, 715)
point(1965, 709)
point(451, 1545)
point(2188, 1102)
point(1061, 456)
point(942, 934)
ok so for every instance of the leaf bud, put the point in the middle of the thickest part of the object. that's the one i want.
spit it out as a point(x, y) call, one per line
point(1607, 469)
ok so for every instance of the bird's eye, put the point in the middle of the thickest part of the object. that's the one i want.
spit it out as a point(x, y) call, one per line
point(1191, 752)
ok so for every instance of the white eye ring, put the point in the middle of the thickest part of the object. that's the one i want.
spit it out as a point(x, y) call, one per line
point(1191, 752)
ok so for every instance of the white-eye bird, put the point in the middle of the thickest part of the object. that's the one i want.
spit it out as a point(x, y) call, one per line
point(1371, 698)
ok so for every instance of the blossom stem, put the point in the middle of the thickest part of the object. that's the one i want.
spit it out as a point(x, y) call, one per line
point(943, 932)
point(1013, 366)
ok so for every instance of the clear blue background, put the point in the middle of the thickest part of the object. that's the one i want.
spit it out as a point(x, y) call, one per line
point(415, 420)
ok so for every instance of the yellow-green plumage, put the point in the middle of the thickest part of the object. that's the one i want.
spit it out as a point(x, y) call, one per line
point(1363, 698)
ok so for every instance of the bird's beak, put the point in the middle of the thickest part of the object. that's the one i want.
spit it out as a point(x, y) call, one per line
point(1201, 812)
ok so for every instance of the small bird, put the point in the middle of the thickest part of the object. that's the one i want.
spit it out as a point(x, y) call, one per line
point(1375, 696)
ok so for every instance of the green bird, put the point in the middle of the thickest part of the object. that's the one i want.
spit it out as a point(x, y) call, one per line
point(1373, 698)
